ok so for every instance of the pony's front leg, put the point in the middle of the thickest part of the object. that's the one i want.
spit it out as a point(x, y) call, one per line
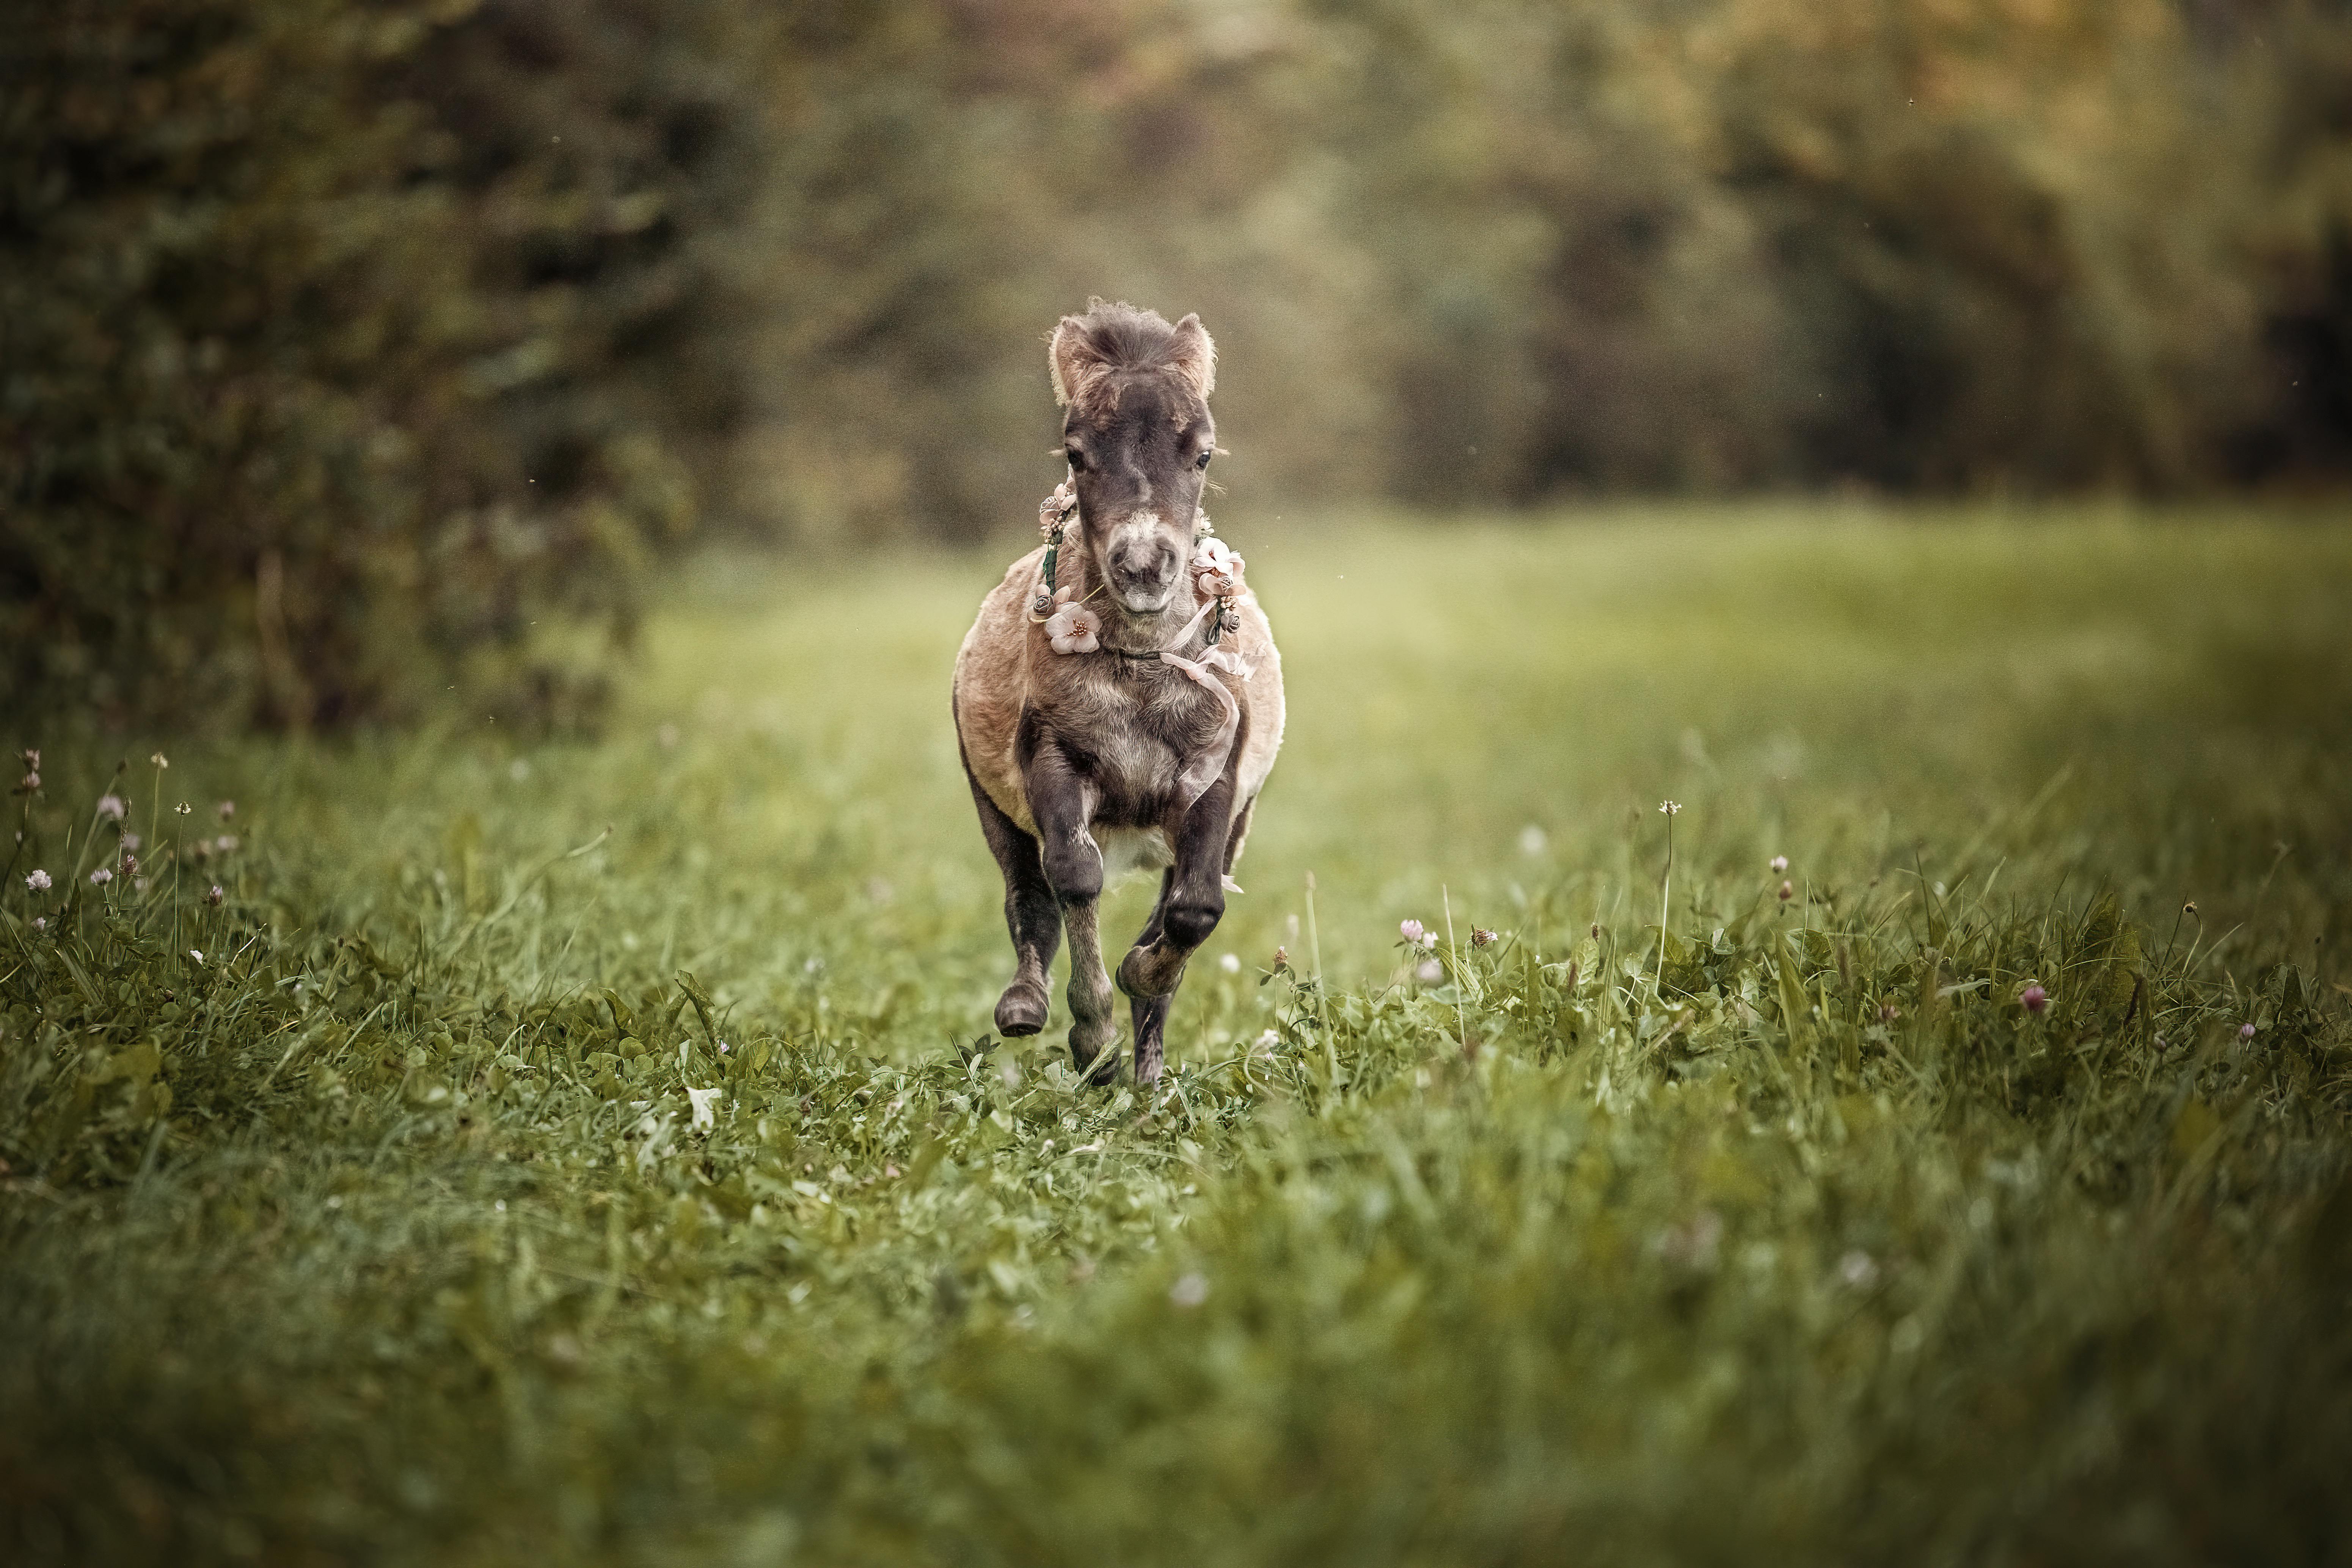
point(1191, 904)
point(1063, 804)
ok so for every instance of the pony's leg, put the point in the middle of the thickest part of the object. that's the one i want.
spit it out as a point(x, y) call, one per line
point(1063, 803)
point(1194, 900)
point(1031, 915)
point(1239, 836)
point(1150, 1014)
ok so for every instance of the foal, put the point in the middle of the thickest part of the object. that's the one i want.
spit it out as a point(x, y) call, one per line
point(1127, 714)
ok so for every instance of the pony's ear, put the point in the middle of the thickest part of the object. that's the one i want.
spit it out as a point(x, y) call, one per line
point(1076, 363)
point(1192, 353)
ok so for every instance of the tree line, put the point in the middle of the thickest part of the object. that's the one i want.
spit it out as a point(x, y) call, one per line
point(346, 348)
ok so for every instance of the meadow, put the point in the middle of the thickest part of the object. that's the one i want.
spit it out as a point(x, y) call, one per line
point(594, 1150)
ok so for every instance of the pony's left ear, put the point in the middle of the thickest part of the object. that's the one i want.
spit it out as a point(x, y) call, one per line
point(1192, 353)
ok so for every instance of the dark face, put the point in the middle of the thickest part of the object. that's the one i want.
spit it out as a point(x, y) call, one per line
point(1140, 467)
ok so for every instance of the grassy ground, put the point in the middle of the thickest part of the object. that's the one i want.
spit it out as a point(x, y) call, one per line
point(426, 1219)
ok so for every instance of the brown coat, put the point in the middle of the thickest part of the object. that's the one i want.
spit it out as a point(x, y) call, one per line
point(1006, 659)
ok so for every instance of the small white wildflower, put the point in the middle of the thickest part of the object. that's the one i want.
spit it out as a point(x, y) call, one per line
point(1410, 931)
point(159, 760)
point(1671, 807)
point(1429, 971)
point(112, 807)
point(1269, 1042)
point(225, 844)
point(1779, 863)
point(226, 809)
point(214, 897)
point(1532, 840)
point(102, 876)
point(1190, 1291)
point(40, 923)
point(132, 841)
point(196, 954)
point(38, 881)
point(703, 1099)
point(1231, 963)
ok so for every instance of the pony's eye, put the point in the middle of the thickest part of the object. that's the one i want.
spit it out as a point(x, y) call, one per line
point(1078, 460)
point(1202, 460)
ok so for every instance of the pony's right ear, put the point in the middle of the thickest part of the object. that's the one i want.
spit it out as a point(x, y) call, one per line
point(1077, 364)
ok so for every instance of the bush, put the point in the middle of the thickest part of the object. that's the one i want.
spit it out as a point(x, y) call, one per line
point(276, 444)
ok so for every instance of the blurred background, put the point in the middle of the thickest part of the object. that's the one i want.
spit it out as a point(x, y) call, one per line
point(353, 353)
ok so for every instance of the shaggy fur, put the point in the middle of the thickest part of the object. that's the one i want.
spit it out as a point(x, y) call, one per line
point(1076, 760)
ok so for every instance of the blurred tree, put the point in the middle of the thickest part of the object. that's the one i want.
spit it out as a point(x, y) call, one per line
point(343, 341)
point(274, 341)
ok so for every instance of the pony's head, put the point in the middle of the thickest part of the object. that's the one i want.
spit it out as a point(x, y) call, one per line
point(1137, 431)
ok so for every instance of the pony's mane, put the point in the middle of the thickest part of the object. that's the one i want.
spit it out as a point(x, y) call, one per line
point(1089, 353)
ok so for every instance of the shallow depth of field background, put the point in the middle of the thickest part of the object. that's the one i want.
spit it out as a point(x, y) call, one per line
point(537, 462)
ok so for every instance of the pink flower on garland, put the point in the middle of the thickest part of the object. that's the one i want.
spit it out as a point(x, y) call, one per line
point(1073, 628)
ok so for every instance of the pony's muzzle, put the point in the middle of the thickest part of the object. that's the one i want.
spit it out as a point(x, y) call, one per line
point(1142, 563)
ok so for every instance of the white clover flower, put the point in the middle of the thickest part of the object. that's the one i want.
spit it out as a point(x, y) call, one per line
point(1410, 931)
point(226, 809)
point(40, 923)
point(1671, 807)
point(102, 876)
point(38, 882)
point(214, 897)
point(702, 1099)
point(1429, 971)
point(1779, 863)
point(1190, 1291)
point(112, 807)
point(1533, 840)
point(132, 841)
point(1231, 963)
point(225, 844)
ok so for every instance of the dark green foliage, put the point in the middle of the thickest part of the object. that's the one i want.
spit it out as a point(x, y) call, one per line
point(279, 326)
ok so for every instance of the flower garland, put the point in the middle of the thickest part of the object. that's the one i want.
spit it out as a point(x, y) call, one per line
point(1072, 629)
point(1217, 573)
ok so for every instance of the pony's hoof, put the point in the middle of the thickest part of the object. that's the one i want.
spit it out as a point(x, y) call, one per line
point(1145, 980)
point(1105, 1068)
point(1019, 1011)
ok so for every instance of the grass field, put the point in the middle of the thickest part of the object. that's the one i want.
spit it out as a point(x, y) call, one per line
point(426, 1219)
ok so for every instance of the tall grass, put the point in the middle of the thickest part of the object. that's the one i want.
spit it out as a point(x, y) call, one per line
point(594, 1151)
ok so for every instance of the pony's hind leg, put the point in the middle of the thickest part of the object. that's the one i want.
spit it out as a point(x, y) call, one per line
point(1031, 915)
point(1150, 1013)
